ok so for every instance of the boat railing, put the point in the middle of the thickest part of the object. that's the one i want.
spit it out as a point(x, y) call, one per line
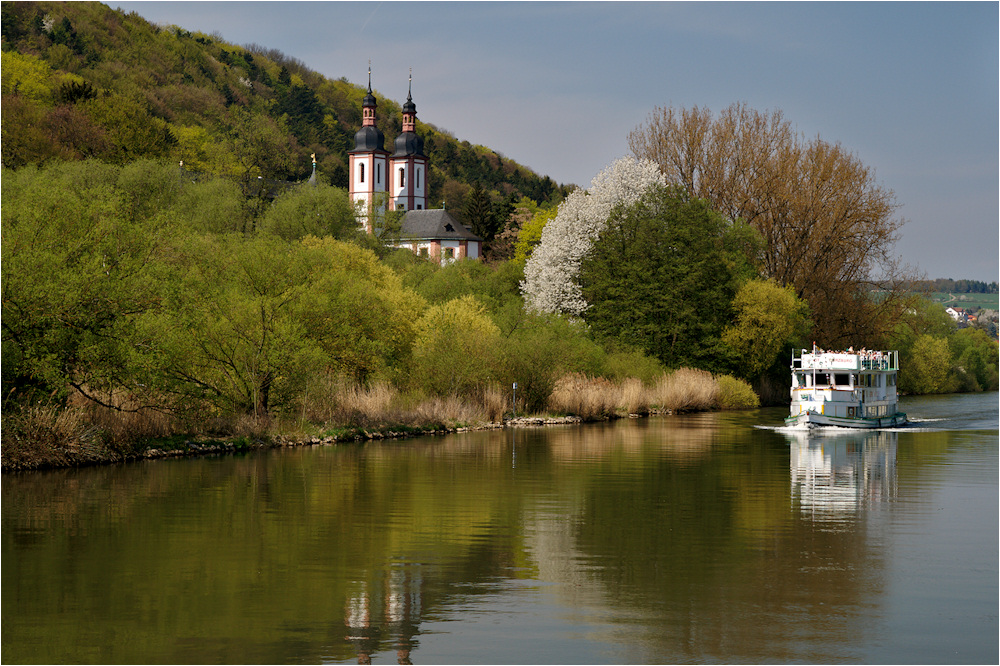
point(881, 361)
point(870, 360)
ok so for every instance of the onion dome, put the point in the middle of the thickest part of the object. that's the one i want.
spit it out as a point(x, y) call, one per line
point(369, 138)
point(409, 143)
point(409, 107)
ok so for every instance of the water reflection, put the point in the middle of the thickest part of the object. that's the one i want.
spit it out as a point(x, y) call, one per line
point(683, 539)
point(385, 614)
point(836, 475)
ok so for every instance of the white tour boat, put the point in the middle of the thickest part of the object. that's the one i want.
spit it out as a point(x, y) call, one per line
point(849, 389)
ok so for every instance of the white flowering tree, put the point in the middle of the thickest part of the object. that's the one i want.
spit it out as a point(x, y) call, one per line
point(550, 274)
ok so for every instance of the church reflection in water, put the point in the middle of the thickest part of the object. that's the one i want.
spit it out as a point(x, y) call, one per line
point(835, 475)
point(385, 613)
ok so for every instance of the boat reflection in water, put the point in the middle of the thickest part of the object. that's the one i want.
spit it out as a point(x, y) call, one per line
point(836, 474)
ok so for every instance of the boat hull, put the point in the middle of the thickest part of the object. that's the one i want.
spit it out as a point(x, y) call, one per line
point(812, 419)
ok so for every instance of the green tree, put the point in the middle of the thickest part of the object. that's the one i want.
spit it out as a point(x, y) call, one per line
point(210, 206)
point(227, 334)
point(924, 318)
point(662, 276)
point(928, 370)
point(312, 209)
point(75, 276)
point(767, 319)
point(454, 344)
point(26, 75)
point(976, 357)
point(261, 147)
point(530, 234)
point(828, 227)
point(478, 212)
point(130, 127)
point(356, 309)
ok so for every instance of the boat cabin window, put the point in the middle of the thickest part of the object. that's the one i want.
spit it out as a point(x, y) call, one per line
point(841, 379)
point(891, 380)
point(801, 379)
point(822, 379)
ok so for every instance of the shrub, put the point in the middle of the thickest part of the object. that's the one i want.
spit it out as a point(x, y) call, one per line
point(736, 394)
point(622, 364)
point(48, 436)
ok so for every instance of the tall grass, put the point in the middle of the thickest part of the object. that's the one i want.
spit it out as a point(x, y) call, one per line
point(685, 390)
point(583, 396)
point(635, 398)
point(340, 401)
point(51, 435)
point(598, 397)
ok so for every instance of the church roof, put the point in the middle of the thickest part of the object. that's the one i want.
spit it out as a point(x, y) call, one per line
point(409, 143)
point(434, 224)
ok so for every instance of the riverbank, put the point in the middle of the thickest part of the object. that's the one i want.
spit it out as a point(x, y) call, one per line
point(84, 433)
point(190, 448)
point(19, 457)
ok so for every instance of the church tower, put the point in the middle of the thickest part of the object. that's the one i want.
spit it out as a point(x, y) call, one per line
point(368, 164)
point(408, 164)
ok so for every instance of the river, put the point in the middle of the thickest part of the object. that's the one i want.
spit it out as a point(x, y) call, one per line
point(704, 538)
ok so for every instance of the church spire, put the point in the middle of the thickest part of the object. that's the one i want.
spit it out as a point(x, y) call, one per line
point(369, 104)
point(410, 109)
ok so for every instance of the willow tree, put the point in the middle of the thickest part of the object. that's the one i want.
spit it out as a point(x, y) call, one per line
point(828, 227)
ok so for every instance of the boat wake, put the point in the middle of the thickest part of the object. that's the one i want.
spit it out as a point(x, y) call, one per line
point(834, 430)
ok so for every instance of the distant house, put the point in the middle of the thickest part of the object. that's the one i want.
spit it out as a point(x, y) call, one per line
point(438, 236)
point(958, 314)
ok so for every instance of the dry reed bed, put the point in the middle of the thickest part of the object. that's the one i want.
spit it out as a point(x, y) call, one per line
point(683, 390)
point(84, 433)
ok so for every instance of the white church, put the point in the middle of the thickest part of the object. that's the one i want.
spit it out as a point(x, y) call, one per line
point(381, 181)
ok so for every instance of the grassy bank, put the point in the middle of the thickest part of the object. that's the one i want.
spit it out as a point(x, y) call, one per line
point(85, 433)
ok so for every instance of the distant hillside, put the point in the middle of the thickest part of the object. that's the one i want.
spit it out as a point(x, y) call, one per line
point(956, 286)
point(83, 80)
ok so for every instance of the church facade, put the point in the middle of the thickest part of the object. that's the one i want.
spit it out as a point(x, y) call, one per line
point(380, 181)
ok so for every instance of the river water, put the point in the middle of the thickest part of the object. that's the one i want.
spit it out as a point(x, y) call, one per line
point(697, 538)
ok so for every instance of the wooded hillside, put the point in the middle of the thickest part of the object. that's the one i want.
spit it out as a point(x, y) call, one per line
point(83, 80)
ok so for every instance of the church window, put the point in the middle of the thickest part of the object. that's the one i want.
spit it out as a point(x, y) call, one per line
point(378, 174)
point(361, 172)
point(418, 178)
point(402, 176)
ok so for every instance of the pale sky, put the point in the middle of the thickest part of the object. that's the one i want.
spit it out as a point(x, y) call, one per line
point(910, 88)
